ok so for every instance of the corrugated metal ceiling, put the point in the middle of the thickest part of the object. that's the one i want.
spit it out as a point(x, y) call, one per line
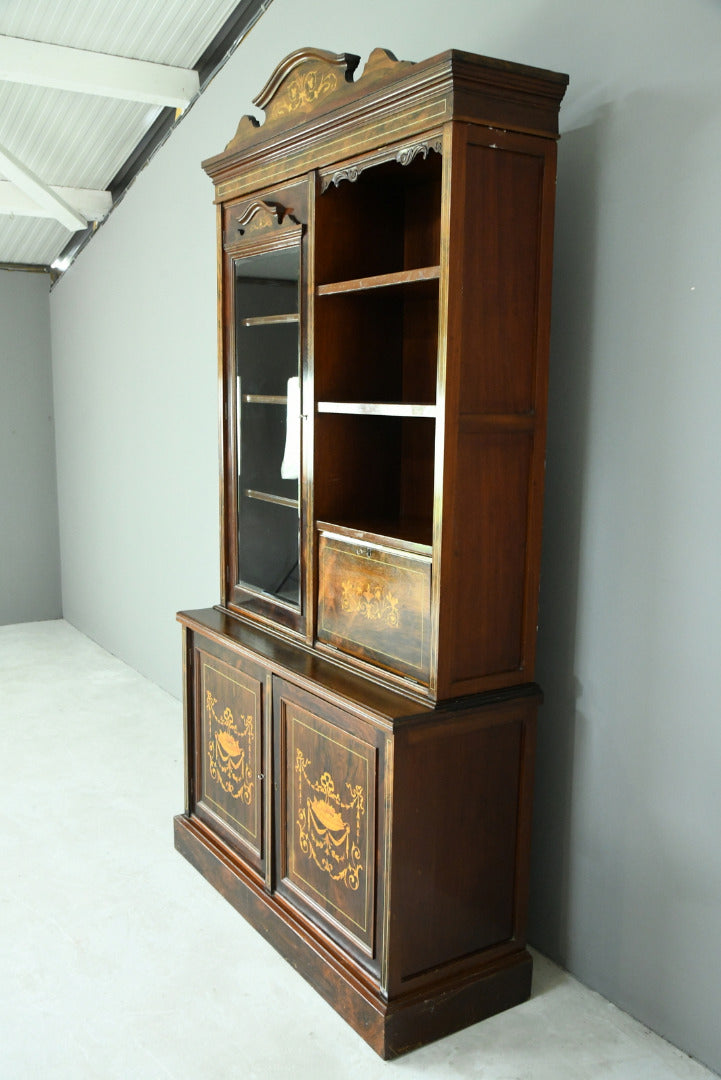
point(69, 139)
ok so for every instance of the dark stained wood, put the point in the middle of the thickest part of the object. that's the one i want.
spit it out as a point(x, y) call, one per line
point(255, 226)
point(302, 665)
point(229, 737)
point(375, 603)
point(359, 767)
point(390, 1028)
point(480, 89)
point(457, 778)
point(441, 944)
point(388, 218)
point(387, 534)
point(329, 777)
point(491, 497)
point(501, 210)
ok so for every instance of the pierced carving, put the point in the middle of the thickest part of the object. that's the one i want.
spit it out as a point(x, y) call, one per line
point(351, 173)
point(404, 156)
point(260, 215)
point(410, 153)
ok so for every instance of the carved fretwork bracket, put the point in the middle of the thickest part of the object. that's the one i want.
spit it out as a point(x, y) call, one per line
point(404, 156)
point(422, 149)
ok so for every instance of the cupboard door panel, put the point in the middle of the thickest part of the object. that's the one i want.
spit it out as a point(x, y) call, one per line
point(327, 816)
point(229, 717)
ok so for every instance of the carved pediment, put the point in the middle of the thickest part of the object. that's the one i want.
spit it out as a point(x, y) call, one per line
point(259, 215)
point(312, 81)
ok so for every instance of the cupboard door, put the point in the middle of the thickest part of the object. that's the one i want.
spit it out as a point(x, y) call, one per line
point(328, 783)
point(228, 706)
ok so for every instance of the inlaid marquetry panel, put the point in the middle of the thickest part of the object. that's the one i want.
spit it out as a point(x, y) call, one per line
point(375, 604)
point(330, 796)
point(229, 747)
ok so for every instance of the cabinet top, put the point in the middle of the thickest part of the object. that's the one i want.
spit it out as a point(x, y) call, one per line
point(312, 100)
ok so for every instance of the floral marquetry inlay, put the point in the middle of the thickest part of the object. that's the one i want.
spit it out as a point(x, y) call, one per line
point(329, 824)
point(372, 601)
point(304, 90)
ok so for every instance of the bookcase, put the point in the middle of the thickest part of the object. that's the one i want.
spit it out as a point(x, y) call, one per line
point(360, 707)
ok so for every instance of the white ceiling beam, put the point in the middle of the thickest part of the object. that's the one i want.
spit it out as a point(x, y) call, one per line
point(37, 63)
point(40, 192)
point(92, 204)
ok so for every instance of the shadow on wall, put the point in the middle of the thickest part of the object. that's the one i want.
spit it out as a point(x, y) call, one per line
point(625, 857)
point(568, 418)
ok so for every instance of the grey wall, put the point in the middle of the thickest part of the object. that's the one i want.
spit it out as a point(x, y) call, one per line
point(627, 864)
point(29, 546)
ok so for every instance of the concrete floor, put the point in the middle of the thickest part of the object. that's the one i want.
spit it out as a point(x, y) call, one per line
point(119, 962)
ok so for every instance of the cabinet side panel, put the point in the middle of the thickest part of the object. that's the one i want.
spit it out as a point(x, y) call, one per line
point(501, 262)
point(455, 843)
point(491, 504)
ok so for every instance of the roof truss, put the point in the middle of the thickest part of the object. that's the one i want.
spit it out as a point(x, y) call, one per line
point(90, 204)
point(40, 64)
point(40, 192)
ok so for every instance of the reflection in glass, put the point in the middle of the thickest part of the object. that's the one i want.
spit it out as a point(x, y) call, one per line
point(268, 397)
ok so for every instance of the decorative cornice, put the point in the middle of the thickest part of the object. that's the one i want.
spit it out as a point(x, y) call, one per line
point(312, 101)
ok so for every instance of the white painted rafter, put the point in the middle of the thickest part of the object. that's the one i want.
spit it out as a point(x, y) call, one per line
point(38, 63)
point(92, 204)
point(40, 192)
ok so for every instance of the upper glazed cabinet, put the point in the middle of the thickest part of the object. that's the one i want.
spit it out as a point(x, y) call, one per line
point(385, 288)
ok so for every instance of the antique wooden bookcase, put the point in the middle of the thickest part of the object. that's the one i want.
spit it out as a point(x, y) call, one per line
point(360, 707)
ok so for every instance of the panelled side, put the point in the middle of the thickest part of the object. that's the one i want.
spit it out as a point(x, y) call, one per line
point(497, 370)
point(461, 821)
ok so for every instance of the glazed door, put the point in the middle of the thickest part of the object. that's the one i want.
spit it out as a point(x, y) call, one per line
point(330, 772)
point(264, 284)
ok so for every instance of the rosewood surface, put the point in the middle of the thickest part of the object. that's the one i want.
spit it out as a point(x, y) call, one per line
point(360, 711)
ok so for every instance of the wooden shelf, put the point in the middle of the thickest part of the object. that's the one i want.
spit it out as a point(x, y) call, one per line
point(265, 399)
point(380, 281)
point(378, 408)
point(270, 320)
point(266, 496)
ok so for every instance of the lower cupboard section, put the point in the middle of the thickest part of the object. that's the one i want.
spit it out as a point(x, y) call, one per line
point(387, 852)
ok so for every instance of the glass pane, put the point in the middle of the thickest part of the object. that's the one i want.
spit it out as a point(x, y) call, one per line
point(268, 389)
